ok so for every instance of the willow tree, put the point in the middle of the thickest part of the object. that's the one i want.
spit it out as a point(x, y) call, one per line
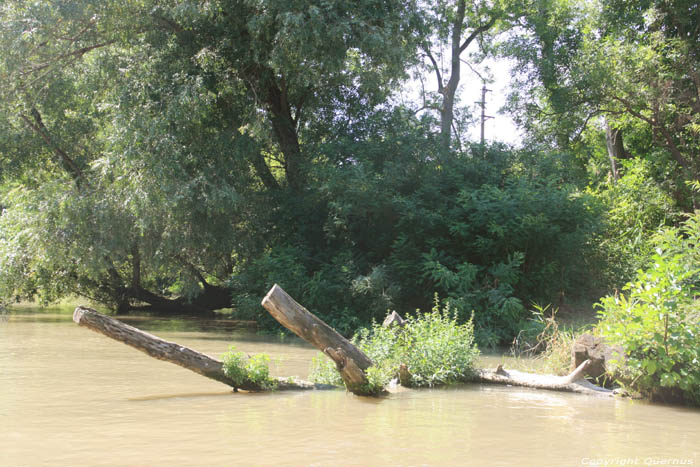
point(148, 142)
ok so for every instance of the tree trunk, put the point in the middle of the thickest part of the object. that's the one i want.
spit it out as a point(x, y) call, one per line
point(457, 47)
point(449, 91)
point(284, 128)
point(616, 148)
point(174, 353)
point(574, 382)
point(350, 361)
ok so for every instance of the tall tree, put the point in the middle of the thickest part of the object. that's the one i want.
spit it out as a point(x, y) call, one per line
point(457, 24)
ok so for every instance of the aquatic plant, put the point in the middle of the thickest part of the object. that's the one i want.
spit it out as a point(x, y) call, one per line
point(547, 341)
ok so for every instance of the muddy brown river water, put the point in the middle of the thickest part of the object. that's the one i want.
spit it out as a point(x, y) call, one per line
point(71, 397)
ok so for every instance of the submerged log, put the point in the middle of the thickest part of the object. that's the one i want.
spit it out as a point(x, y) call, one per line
point(174, 353)
point(574, 382)
point(350, 361)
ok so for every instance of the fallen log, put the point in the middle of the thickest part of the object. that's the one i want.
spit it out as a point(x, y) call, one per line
point(174, 353)
point(350, 361)
point(574, 382)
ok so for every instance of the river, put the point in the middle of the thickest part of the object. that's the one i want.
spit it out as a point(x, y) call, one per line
point(71, 397)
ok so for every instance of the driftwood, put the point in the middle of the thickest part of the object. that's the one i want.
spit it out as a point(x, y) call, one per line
point(350, 361)
point(574, 382)
point(174, 353)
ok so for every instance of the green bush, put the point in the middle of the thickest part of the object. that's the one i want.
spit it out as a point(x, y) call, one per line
point(489, 230)
point(435, 348)
point(657, 319)
point(492, 246)
point(242, 369)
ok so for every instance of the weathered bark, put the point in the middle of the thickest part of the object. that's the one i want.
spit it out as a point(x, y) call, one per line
point(350, 361)
point(393, 319)
point(604, 357)
point(574, 382)
point(174, 353)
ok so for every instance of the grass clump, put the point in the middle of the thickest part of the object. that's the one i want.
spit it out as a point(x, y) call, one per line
point(323, 371)
point(248, 371)
point(434, 347)
point(546, 341)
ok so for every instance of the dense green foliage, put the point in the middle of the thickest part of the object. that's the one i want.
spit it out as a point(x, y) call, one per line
point(182, 156)
point(434, 346)
point(489, 233)
point(657, 318)
point(636, 206)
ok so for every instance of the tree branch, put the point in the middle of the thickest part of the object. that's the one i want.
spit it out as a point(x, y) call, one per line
point(76, 53)
point(655, 125)
point(436, 68)
point(38, 126)
point(475, 33)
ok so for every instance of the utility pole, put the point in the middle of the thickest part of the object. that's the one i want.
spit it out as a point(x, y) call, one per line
point(484, 117)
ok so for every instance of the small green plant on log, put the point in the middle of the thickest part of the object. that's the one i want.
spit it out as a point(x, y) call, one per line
point(255, 369)
point(323, 371)
point(432, 348)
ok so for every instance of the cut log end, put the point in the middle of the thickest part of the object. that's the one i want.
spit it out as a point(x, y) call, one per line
point(350, 361)
point(78, 314)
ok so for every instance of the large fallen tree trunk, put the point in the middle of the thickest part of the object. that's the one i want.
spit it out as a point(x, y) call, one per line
point(350, 361)
point(574, 382)
point(175, 353)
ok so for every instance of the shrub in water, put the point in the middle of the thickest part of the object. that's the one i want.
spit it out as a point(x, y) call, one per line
point(435, 348)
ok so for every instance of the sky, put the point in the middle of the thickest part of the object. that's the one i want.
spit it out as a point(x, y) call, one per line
point(500, 128)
